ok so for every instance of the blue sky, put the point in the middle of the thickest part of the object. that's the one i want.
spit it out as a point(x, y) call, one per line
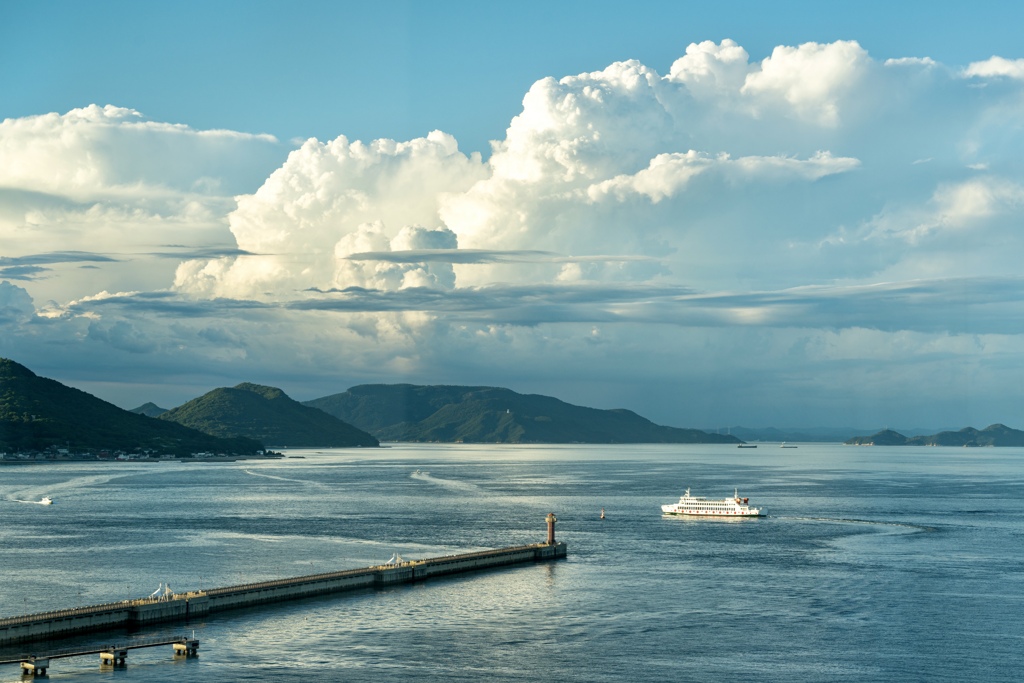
point(402, 69)
point(795, 214)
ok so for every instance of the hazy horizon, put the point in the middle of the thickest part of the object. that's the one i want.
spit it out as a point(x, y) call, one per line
point(739, 214)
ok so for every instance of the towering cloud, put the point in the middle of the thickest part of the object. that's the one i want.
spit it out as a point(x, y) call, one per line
point(331, 200)
point(798, 217)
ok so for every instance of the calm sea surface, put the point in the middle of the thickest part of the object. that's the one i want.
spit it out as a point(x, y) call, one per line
point(874, 564)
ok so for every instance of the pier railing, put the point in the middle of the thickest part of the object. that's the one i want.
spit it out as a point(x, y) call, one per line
point(194, 604)
point(79, 611)
point(309, 578)
point(312, 578)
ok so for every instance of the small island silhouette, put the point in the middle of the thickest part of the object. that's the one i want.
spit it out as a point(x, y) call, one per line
point(993, 435)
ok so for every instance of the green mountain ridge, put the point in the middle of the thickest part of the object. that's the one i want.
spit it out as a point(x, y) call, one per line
point(993, 435)
point(36, 413)
point(473, 414)
point(269, 415)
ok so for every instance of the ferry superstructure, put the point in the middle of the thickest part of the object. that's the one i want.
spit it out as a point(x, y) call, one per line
point(694, 506)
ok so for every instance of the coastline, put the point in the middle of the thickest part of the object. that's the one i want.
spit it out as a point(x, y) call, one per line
point(215, 458)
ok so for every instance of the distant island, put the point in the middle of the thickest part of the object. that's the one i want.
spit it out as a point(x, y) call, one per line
point(149, 410)
point(471, 414)
point(793, 434)
point(993, 435)
point(41, 418)
point(268, 415)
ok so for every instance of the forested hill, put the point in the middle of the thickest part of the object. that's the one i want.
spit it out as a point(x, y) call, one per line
point(450, 414)
point(267, 414)
point(36, 413)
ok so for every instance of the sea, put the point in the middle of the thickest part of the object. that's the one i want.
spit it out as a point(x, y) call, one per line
point(872, 563)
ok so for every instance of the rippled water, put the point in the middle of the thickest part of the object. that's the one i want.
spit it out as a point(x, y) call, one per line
point(874, 564)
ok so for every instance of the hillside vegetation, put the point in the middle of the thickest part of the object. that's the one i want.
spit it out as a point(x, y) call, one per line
point(451, 414)
point(267, 414)
point(36, 413)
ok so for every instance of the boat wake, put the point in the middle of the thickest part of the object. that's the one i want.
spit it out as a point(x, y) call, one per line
point(446, 483)
point(867, 522)
point(288, 479)
point(32, 494)
point(44, 501)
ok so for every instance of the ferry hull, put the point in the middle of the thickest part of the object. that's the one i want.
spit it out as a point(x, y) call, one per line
point(717, 515)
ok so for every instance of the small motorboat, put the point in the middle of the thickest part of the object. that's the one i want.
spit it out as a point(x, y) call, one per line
point(46, 501)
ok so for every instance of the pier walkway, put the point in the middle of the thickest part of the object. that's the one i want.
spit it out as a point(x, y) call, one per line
point(197, 604)
point(113, 655)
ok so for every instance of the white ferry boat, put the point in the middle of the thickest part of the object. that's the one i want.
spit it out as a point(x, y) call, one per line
point(702, 507)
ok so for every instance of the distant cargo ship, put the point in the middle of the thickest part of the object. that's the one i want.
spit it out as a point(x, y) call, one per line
point(702, 507)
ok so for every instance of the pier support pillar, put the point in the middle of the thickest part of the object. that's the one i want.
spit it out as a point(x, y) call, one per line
point(551, 519)
point(188, 648)
point(114, 657)
point(35, 667)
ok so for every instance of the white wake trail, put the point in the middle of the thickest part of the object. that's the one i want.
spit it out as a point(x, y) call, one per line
point(446, 483)
point(288, 479)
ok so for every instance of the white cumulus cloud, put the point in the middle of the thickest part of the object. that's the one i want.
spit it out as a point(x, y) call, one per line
point(995, 67)
point(332, 199)
point(107, 180)
point(812, 78)
point(108, 151)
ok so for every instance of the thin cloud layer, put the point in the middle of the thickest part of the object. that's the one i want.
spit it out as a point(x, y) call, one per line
point(751, 229)
point(34, 266)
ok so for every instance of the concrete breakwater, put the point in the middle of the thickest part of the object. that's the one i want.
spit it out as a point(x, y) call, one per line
point(196, 604)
